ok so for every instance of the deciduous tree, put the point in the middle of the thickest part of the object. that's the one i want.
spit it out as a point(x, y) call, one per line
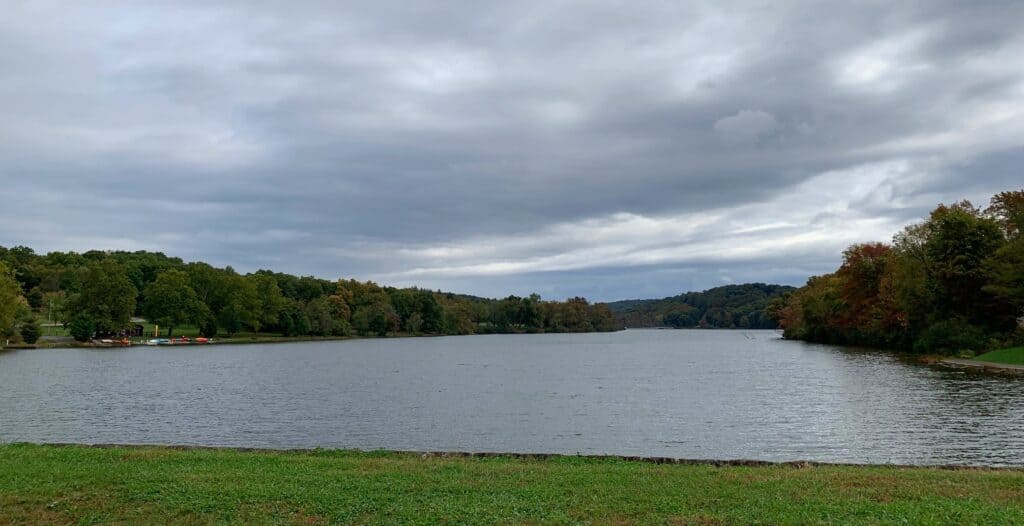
point(170, 301)
point(107, 296)
point(10, 298)
point(30, 330)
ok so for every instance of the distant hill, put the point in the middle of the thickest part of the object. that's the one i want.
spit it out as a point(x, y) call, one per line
point(727, 307)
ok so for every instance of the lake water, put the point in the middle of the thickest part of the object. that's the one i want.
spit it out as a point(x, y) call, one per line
point(683, 393)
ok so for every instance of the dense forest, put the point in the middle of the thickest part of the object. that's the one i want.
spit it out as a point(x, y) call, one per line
point(100, 292)
point(727, 307)
point(952, 283)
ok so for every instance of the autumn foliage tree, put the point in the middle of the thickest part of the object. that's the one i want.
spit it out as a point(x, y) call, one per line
point(1007, 209)
point(952, 282)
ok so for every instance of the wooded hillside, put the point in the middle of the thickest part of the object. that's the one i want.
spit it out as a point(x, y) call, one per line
point(726, 307)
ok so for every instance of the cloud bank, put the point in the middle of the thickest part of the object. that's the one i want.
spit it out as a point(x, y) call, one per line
point(598, 148)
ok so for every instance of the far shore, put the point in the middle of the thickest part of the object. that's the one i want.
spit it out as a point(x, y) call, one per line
point(68, 343)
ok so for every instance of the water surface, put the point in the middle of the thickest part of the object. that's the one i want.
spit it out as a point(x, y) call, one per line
point(678, 393)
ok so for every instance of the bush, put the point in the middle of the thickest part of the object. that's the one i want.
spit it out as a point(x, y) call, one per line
point(31, 331)
point(966, 354)
point(341, 328)
point(208, 329)
point(952, 336)
point(82, 327)
point(35, 298)
point(1014, 339)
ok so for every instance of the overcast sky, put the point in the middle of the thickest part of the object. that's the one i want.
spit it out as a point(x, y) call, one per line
point(606, 149)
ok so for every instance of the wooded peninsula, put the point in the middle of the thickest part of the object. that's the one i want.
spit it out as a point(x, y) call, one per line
point(953, 283)
point(109, 293)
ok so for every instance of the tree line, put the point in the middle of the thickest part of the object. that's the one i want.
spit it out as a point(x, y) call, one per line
point(953, 282)
point(726, 307)
point(100, 292)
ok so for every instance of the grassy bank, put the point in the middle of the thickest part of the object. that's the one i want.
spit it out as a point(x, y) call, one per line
point(1013, 356)
point(190, 331)
point(150, 485)
point(239, 338)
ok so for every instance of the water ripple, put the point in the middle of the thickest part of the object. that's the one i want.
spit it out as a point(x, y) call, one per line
point(688, 394)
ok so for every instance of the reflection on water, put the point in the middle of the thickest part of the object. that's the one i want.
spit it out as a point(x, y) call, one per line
point(691, 394)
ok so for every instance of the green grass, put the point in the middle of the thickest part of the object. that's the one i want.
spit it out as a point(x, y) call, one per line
point(190, 331)
point(151, 485)
point(55, 330)
point(1013, 356)
point(181, 330)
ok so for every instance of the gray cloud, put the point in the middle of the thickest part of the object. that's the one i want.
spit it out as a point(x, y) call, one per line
point(596, 148)
point(746, 126)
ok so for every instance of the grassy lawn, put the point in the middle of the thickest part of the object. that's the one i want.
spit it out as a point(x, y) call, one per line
point(148, 485)
point(192, 332)
point(1013, 356)
point(180, 330)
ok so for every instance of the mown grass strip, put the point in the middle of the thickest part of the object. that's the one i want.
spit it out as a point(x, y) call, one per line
point(153, 485)
point(1012, 356)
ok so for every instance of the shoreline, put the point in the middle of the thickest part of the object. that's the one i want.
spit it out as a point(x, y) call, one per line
point(218, 341)
point(984, 366)
point(266, 339)
point(944, 361)
point(540, 457)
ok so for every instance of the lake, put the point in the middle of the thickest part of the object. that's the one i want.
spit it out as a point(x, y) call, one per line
point(678, 393)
